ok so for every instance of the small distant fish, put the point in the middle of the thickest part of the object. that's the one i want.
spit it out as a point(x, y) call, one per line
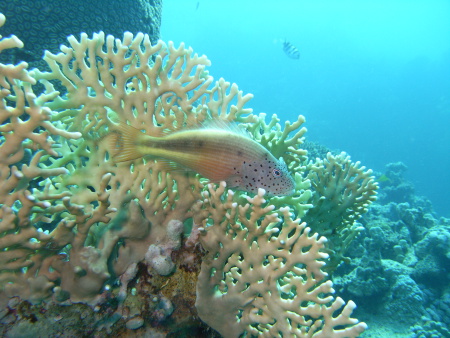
point(290, 50)
point(383, 178)
point(219, 154)
point(198, 4)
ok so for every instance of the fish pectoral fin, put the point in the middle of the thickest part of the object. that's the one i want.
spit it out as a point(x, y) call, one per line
point(170, 166)
point(234, 181)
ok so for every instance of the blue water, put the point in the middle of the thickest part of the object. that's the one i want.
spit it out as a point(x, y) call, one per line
point(373, 78)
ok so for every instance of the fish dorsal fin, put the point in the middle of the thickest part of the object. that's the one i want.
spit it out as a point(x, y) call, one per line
point(232, 127)
point(213, 124)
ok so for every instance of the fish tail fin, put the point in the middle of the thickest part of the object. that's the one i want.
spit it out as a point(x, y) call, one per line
point(123, 142)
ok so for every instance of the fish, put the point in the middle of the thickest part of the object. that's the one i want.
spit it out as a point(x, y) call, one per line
point(383, 178)
point(218, 153)
point(290, 50)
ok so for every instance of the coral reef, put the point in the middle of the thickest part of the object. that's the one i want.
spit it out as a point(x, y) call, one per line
point(342, 193)
point(45, 25)
point(251, 281)
point(397, 189)
point(76, 227)
point(399, 271)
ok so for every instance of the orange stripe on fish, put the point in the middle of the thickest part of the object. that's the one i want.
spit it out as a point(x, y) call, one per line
point(219, 154)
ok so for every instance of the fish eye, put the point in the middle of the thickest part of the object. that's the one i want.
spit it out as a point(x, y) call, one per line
point(276, 172)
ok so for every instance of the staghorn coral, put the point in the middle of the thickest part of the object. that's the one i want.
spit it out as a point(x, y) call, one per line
point(102, 217)
point(108, 79)
point(342, 193)
point(76, 210)
point(27, 138)
point(264, 278)
point(281, 143)
point(93, 204)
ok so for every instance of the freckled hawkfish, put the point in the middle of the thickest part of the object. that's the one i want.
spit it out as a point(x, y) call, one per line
point(218, 154)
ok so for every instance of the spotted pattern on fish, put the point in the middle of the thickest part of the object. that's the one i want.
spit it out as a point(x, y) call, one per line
point(269, 174)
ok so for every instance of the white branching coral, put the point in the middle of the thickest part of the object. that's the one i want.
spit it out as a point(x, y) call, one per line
point(286, 143)
point(89, 203)
point(280, 141)
point(156, 88)
point(26, 138)
point(262, 274)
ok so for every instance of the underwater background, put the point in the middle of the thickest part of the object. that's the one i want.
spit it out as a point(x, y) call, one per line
point(373, 77)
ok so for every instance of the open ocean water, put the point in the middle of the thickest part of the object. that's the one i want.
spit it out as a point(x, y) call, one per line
point(372, 79)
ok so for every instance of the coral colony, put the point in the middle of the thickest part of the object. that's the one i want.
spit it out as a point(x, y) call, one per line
point(76, 227)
